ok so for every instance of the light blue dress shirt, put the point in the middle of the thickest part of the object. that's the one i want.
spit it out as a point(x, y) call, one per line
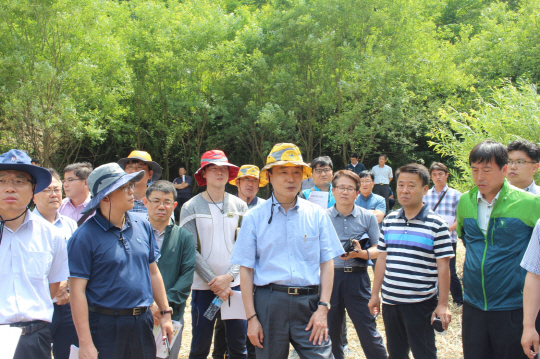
point(374, 201)
point(289, 250)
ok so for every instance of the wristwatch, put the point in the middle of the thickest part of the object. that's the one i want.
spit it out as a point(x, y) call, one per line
point(163, 312)
point(327, 305)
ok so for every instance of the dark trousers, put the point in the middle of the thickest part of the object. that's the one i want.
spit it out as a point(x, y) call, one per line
point(284, 319)
point(455, 283)
point(36, 345)
point(203, 328)
point(384, 191)
point(123, 336)
point(492, 334)
point(408, 327)
point(63, 331)
point(352, 291)
point(220, 343)
point(178, 208)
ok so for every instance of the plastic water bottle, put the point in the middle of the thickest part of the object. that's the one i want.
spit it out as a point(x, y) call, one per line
point(213, 308)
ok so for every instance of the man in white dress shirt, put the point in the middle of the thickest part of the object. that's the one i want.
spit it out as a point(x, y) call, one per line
point(33, 256)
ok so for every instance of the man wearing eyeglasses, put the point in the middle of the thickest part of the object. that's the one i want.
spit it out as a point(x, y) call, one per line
point(177, 260)
point(77, 191)
point(523, 159)
point(114, 277)
point(33, 257)
point(322, 177)
point(352, 286)
point(62, 328)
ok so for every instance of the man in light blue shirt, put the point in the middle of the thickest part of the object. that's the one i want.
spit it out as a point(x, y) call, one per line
point(322, 178)
point(287, 253)
point(383, 176)
point(369, 200)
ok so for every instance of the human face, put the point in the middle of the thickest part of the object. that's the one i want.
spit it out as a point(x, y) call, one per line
point(439, 178)
point(286, 181)
point(216, 176)
point(49, 199)
point(137, 166)
point(13, 197)
point(382, 161)
point(345, 191)
point(160, 206)
point(521, 175)
point(489, 178)
point(73, 185)
point(181, 171)
point(248, 186)
point(354, 160)
point(122, 199)
point(366, 186)
point(410, 190)
point(322, 176)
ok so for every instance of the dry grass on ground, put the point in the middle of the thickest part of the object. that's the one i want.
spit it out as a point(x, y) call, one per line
point(448, 347)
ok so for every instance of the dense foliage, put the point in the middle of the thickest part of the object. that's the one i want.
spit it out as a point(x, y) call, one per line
point(92, 80)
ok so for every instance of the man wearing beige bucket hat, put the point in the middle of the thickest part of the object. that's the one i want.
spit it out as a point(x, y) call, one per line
point(287, 270)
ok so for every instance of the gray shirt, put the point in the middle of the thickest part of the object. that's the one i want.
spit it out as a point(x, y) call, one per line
point(356, 225)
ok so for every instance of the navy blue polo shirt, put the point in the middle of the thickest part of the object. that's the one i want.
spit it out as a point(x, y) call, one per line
point(118, 271)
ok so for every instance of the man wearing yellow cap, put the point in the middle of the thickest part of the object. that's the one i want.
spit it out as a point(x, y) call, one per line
point(285, 249)
point(141, 161)
point(248, 182)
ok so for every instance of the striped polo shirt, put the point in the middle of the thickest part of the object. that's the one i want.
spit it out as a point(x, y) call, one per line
point(412, 247)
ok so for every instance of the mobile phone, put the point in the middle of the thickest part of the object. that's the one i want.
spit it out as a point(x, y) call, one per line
point(437, 326)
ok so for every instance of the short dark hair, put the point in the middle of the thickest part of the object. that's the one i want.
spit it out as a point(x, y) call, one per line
point(530, 148)
point(354, 154)
point(182, 166)
point(35, 160)
point(80, 169)
point(322, 161)
point(382, 155)
point(437, 166)
point(54, 174)
point(346, 173)
point(415, 168)
point(488, 150)
point(367, 173)
point(161, 186)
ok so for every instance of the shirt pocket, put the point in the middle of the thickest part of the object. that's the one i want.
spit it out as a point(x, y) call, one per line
point(37, 264)
point(310, 249)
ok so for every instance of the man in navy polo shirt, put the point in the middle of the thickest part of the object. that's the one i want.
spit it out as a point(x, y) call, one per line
point(113, 271)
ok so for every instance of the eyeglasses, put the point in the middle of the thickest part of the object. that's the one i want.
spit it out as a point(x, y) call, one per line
point(128, 187)
point(49, 191)
point(321, 170)
point(17, 182)
point(166, 203)
point(69, 180)
point(519, 163)
point(346, 189)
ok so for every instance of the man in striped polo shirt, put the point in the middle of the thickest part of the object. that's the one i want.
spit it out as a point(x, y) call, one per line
point(415, 253)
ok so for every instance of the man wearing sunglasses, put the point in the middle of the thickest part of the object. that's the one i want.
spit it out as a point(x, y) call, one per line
point(114, 277)
point(77, 191)
point(523, 164)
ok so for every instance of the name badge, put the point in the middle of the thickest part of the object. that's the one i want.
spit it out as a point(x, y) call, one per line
point(230, 214)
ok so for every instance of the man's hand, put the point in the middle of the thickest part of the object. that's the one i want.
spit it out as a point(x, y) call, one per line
point(255, 332)
point(224, 294)
point(62, 296)
point(88, 351)
point(166, 327)
point(354, 254)
point(374, 304)
point(318, 322)
point(530, 339)
point(156, 313)
point(220, 282)
point(444, 315)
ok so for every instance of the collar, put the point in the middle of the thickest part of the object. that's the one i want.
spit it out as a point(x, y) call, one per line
point(531, 186)
point(318, 190)
point(421, 216)
point(480, 198)
point(86, 201)
point(366, 198)
point(37, 213)
point(444, 189)
point(335, 212)
point(106, 225)
point(253, 201)
point(27, 218)
point(275, 202)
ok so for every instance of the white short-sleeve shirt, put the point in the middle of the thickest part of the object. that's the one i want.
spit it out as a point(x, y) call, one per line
point(30, 258)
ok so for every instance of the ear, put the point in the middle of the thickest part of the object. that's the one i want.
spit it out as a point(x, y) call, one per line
point(175, 205)
point(106, 199)
point(505, 170)
point(237, 181)
point(145, 201)
point(425, 189)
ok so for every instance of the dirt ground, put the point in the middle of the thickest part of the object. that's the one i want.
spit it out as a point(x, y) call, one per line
point(448, 347)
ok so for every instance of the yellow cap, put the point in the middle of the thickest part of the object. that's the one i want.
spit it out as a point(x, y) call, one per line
point(249, 171)
point(285, 154)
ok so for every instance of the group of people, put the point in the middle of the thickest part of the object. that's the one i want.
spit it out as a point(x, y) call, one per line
point(124, 250)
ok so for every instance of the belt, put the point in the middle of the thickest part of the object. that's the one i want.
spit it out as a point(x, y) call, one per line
point(312, 289)
point(351, 269)
point(132, 311)
point(382, 184)
point(30, 327)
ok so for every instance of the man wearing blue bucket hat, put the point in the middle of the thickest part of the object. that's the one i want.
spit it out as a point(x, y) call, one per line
point(114, 274)
point(33, 258)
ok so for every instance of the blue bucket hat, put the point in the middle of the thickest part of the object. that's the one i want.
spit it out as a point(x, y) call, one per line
point(106, 179)
point(17, 160)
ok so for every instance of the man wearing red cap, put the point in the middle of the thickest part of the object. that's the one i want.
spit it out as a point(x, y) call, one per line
point(213, 218)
